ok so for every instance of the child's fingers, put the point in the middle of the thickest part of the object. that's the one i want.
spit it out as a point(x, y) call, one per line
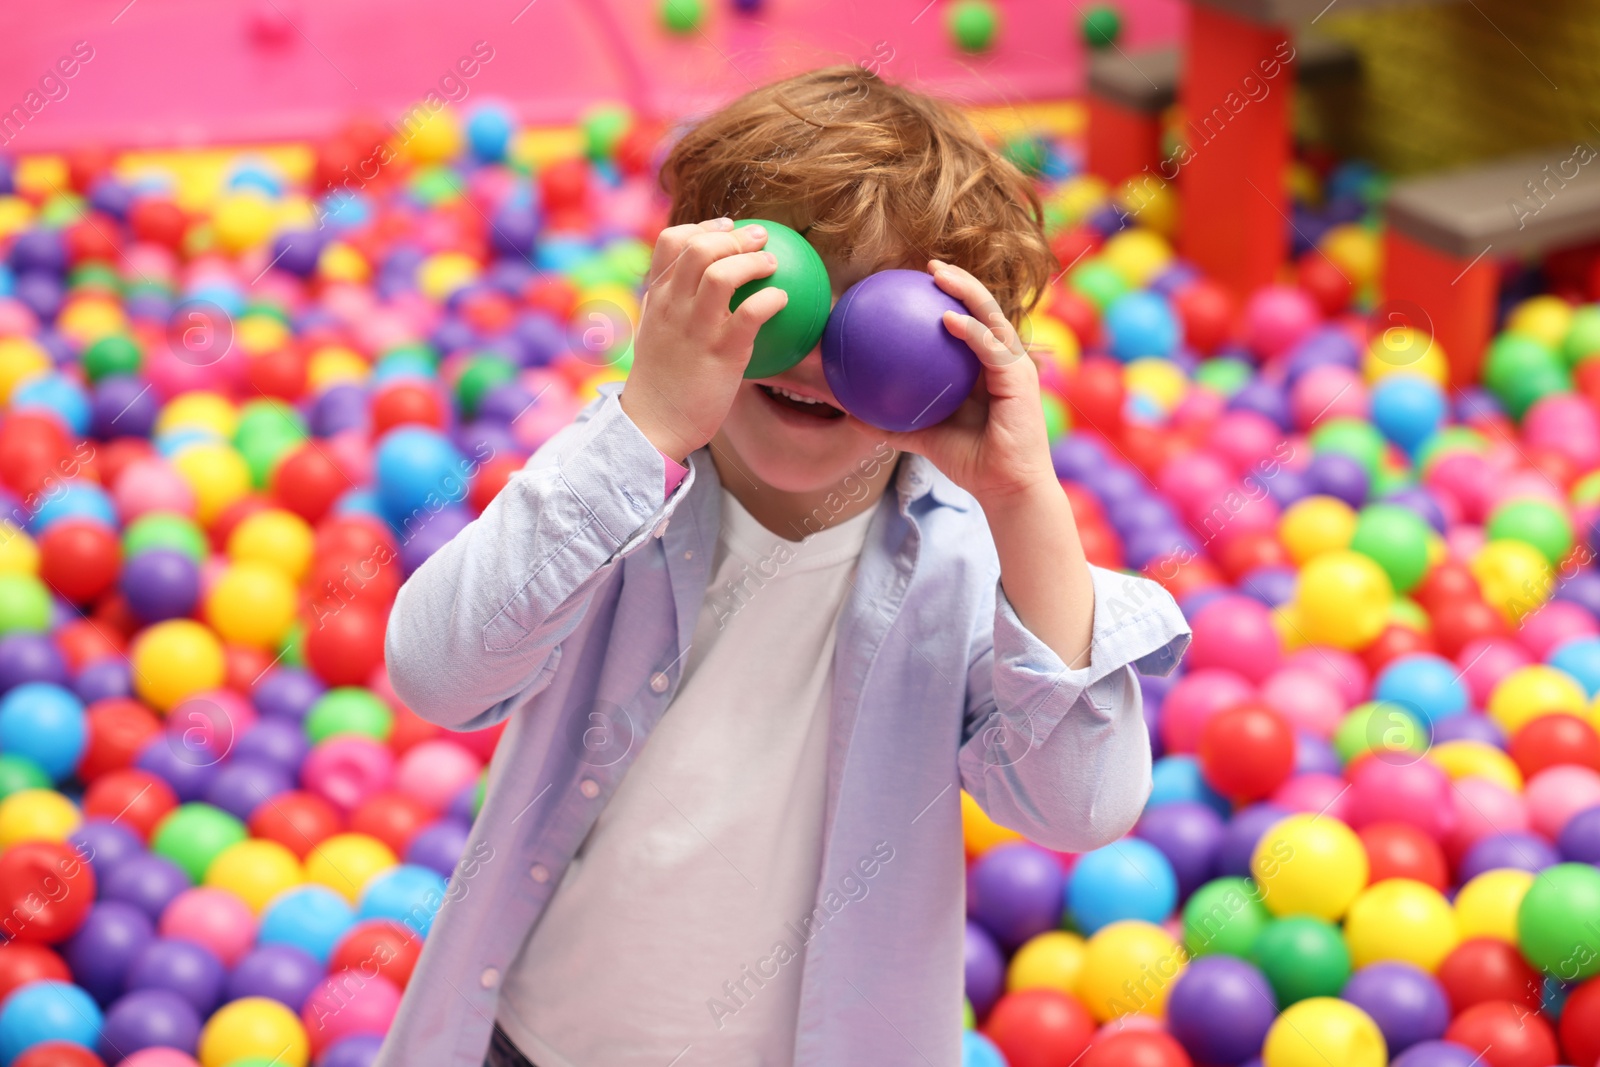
point(990, 349)
point(723, 277)
point(672, 241)
point(704, 249)
point(980, 303)
point(740, 333)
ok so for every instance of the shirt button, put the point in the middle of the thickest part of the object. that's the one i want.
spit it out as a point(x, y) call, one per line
point(589, 788)
point(659, 682)
point(688, 555)
point(662, 528)
point(539, 873)
point(488, 978)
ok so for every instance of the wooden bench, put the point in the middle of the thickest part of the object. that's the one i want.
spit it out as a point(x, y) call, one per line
point(1446, 231)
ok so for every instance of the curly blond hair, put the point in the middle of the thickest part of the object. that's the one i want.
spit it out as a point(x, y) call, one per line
point(871, 172)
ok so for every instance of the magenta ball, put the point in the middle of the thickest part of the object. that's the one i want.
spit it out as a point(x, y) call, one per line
point(1553, 625)
point(1196, 698)
point(1417, 794)
point(1311, 793)
point(347, 769)
point(1248, 440)
point(212, 918)
point(435, 771)
point(1016, 892)
point(1483, 663)
point(1556, 794)
point(1306, 699)
point(1235, 633)
point(1276, 317)
point(340, 1007)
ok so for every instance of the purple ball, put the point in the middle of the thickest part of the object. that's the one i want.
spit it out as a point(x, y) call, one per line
point(188, 772)
point(102, 679)
point(1338, 475)
point(1285, 486)
point(432, 534)
point(514, 230)
point(149, 1018)
point(1075, 456)
point(1579, 840)
point(148, 882)
point(26, 657)
point(1583, 589)
point(1116, 482)
point(1188, 834)
point(485, 437)
point(287, 693)
point(182, 967)
point(452, 335)
point(888, 357)
point(1472, 727)
point(1016, 893)
point(1220, 1009)
point(439, 845)
point(360, 1050)
point(160, 584)
point(502, 404)
point(1265, 399)
point(1421, 503)
point(1518, 849)
point(105, 946)
point(243, 785)
point(297, 251)
point(111, 196)
point(1270, 585)
point(1324, 346)
point(542, 338)
point(278, 742)
point(281, 972)
point(122, 405)
point(106, 845)
point(461, 805)
point(1240, 837)
point(985, 969)
point(1438, 1054)
point(1313, 755)
point(41, 293)
point(340, 407)
point(1139, 513)
point(1405, 1002)
point(39, 249)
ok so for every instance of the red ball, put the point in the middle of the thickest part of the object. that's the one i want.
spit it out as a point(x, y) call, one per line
point(492, 477)
point(243, 667)
point(1586, 376)
point(158, 221)
point(553, 294)
point(636, 148)
point(392, 818)
point(1240, 555)
point(1182, 574)
point(1486, 970)
point(1073, 244)
point(564, 185)
point(1393, 643)
point(345, 646)
point(1550, 740)
point(1246, 752)
point(228, 520)
point(1079, 313)
point(1505, 1035)
point(280, 373)
point(339, 579)
point(35, 454)
point(1446, 583)
point(79, 558)
point(119, 728)
point(114, 457)
point(410, 730)
point(83, 641)
point(22, 962)
point(1039, 1028)
point(91, 240)
point(46, 889)
point(86, 163)
point(1458, 625)
point(58, 1054)
point(354, 537)
point(1325, 283)
point(1137, 1048)
point(406, 403)
point(1207, 311)
point(1096, 394)
point(489, 311)
point(131, 796)
point(379, 946)
point(1101, 546)
point(1580, 1023)
point(307, 482)
point(298, 821)
point(1400, 850)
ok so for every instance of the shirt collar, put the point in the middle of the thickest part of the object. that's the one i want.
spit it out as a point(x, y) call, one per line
point(918, 477)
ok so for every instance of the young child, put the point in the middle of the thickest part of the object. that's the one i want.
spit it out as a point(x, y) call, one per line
point(752, 650)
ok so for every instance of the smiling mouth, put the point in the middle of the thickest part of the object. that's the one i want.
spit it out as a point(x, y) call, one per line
point(795, 402)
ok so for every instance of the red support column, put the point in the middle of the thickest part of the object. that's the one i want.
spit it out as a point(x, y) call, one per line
point(1235, 98)
point(1122, 141)
point(1456, 295)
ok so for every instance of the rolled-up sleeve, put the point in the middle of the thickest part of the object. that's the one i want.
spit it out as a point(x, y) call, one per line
point(1062, 755)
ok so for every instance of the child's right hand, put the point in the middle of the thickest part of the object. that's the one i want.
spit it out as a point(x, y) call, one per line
point(690, 352)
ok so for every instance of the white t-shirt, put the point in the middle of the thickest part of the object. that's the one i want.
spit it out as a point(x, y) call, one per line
point(653, 949)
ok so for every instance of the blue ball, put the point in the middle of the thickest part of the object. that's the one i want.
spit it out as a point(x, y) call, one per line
point(408, 894)
point(979, 1051)
point(312, 919)
point(489, 131)
point(1141, 324)
point(47, 1011)
point(1425, 683)
point(1580, 658)
point(418, 472)
point(44, 723)
point(1129, 879)
point(72, 500)
point(58, 395)
point(1407, 409)
point(400, 365)
point(1178, 778)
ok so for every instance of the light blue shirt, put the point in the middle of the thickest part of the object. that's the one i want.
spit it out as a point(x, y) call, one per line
point(567, 607)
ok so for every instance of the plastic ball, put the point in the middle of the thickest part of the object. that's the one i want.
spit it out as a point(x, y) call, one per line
point(682, 16)
point(1343, 599)
point(1129, 879)
point(1322, 1030)
point(255, 872)
point(194, 835)
point(1246, 752)
point(1398, 919)
point(1532, 691)
point(1505, 1035)
point(382, 946)
point(47, 889)
point(1224, 916)
point(1310, 866)
point(1034, 1027)
point(1128, 969)
point(1015, 891)
point(343, 1007)
point(253, 1027)
point(346, 863)
point(45, 724)
point(1554, 917)
point(1221, 1009)
point(1302, 957)
point(47, 1011)
point(973, 24)
point(174, 660)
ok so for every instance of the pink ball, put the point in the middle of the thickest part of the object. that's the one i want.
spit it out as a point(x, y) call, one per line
point(1556, 794)
point(1245, 439)
point(1524, 485)
point(212, 918)
point(147, 485)
point(1194, 700)
point(1235, 633)
point(1565, 423)
point(160, 1057)
point(1198, 409)
point(435, 771)
point(1417, 794)
point(1330, 391)
point(1276, 318)
point(349, 1003)
point(1252, 511)
point(1311, 793)
point(207, 725)
point(1486, 661)
point(351, 452)
point(1193, 480)
point(1467, 478)
point(204, 363)
point(1463, 543)
point(16, 319)
point(1341, 668)
point(1482, 808)
point(1553, 625)
point(1307, 700)
point(348, 769)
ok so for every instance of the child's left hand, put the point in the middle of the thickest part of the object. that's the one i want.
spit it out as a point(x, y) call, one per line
point(995, 445)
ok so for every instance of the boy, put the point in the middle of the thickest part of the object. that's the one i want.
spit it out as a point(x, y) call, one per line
point(751, 649)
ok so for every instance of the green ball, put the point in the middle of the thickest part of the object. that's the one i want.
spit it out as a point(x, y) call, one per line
point(348, 710)
point(1225, 374)
point(1356, 438)
point(435, 185)
point(628, 260)
point(164, 529)
point(18, 773)
point(94, 277)
point(1224, 916)
point(481, 791)
point(1537, 522)
point(483, 373)
point(973, 24)
point(24, 605)
point(788, 336)
point(969, 1018)
point(1583, 336)
point(1302, 957)
point(115, 353)
point(292, 650)
point(1558, 920)
point(267, 429)
point(603, 126)
point(1056, 420)
point(62, 210)
point(1102, 25)
point(682, 16)
point(1097, 282)
point(1027, 153)
point(1519, 371)
point(194, 834)
point(1383, 727)
point(1396, 539)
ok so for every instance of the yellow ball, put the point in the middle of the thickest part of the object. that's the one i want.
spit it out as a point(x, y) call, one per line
point(259, 334)
point(1476, 759)
point(1080, 195)
point(36, 815)
point(15, 215)
point(278, 538)
point(1487, 905)
point(979, 833)
point(1400, 919)
point(87, 319)
point(213, 413)
point(1314, 525)
point(1129, 967)
point(1138, 255)
point(252, 604)
point(1322, 1031)
point(1309, 865)
point(255, 871)
point(174, 660)
point(436, 140)
point(1152, 202)
point(335, 365)
point(1051, 341)
point(20, 359)
point(1514, 576)
point(18, 553)
point(1159, 379)
point(1343, 599)
point(590, 387)
point(1404, 350)
point(1301, 181)
point(1355, 250)
point(345, 863)
point(242, 221)
point(216, 473)
point(444, 272)
point(254, 1028)
point(1052, 960)
point(1529, 692)
point(339, 262)
point(1546, 319)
